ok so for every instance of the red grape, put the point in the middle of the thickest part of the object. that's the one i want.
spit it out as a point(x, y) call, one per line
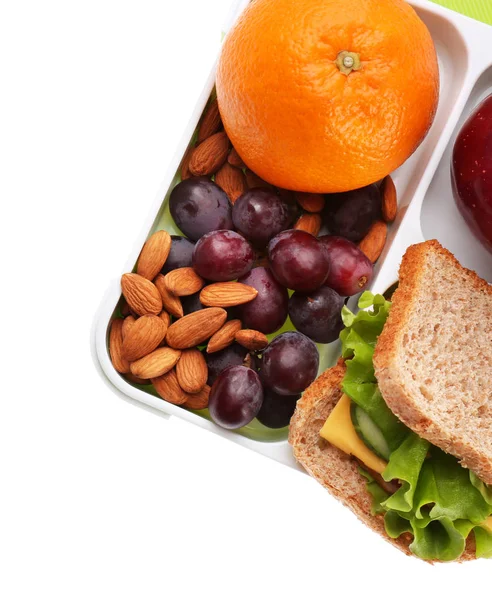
point(235, 397)
point(180, 254)
point(350, 269)
point(289, 364)
point(350, 214)
point(222, 256)
point(298, 260)
point(199, 206)
point(276, 411)
point(471, 172)
point(260, 214)
point(268, 311)
point(232, 356)
point(317, 315)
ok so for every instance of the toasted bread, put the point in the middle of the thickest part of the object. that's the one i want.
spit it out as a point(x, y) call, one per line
point(433, 360)
point(334, 469)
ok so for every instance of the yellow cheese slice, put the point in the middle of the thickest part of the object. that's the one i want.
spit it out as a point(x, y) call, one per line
point(339, 431)
point(487, 524)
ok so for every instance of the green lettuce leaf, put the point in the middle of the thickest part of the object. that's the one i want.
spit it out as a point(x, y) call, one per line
point(483, 488)
point(405, 465)
point(377, 493)
point(483, 541)
point(442, 539)
point(395, 524)
point(358, 341)
point(445, 485)
point(439, 502)
point(439, 540)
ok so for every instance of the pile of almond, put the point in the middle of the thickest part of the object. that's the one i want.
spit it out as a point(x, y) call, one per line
point(155, 343)
point(213, 155)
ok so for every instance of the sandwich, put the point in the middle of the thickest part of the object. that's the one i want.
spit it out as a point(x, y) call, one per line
point(400, 430)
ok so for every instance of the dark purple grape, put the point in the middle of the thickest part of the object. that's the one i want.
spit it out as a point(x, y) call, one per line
point(332, 203)
point(289, 198)
point(180, 255)
point(259, 215)
point(222, 256)
point(232, 356)
point(199, 206)
point(318, 314)
point(276, 411)
point(268, 311)
point(298, 260)
point(350, 214)
point(350, 269)
point(289, 364)
point(235, 397)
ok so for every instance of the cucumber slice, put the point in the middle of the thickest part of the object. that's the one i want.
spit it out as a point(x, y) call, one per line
point(369, 432)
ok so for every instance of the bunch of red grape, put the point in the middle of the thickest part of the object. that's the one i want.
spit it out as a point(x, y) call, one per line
point(226, 242)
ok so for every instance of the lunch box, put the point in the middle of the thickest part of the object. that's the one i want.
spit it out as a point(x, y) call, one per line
point(426, 210)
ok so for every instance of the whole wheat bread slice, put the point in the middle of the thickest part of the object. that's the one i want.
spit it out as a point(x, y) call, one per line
point(334, 469)
point(433, 360)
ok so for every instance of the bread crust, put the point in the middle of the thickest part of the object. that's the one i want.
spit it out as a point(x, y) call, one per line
point(389, 347)
point(334, 469)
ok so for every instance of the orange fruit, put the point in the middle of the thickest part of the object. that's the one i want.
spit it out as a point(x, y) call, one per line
point(327, 95)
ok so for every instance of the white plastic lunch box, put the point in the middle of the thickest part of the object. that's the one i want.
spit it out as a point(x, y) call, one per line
point(426, 209)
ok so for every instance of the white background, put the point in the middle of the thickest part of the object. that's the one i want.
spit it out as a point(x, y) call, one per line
point(100, 499)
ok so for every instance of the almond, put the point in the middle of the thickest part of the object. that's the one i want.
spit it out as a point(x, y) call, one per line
point(235, 160)
point(224, 337)
point(211, 122)
point(312, 203)
point(252, 339)
point(170, 302)
point(133, 379)
point(195, 328)
point(185, 164)
point(372, 245)
point(253, 181)
point(115, 347)
point(389, 199)
point(198, 401)
point(166, 319)
point(192, 371)
point(310, 222)
point(144, 336)
point(141, 294)
point(167, 387)
point(231, 180)
point(156, 363)
point(184, 281)
point(154, 254)
point(127, 325)
point(227, 293)
point(210, 155)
